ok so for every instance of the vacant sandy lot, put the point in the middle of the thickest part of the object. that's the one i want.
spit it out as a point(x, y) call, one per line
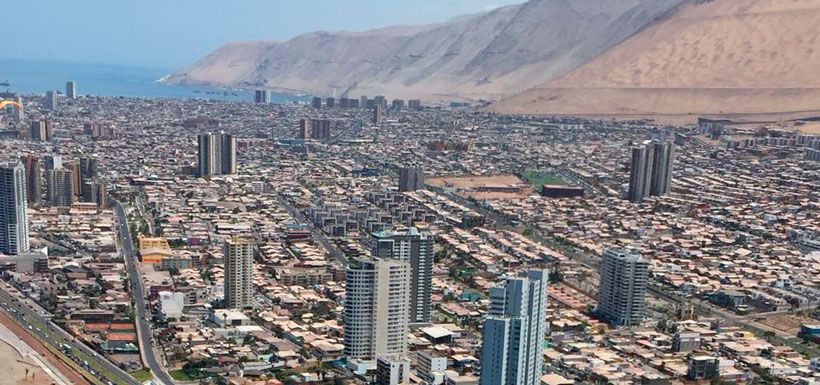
point(483, 187)
point(13, 366)
point(786, 323)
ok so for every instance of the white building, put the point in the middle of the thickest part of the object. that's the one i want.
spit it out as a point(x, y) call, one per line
point(224, 318)
point(415, 246)
point(512, 349)
point(392, 371)
point(376, 310)
point(622, 287)
point(431, 366)
point(171, 304)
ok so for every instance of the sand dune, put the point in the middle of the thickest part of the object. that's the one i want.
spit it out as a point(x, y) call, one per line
point(716, 57)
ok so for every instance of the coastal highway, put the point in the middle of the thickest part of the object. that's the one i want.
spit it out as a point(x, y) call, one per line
point(38, 322)
point(138, 292)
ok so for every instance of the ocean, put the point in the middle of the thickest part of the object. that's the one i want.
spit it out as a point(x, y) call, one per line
point(37, 77)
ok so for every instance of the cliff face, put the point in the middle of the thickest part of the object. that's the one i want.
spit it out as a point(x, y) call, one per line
point(738, 57)
point(488, 55)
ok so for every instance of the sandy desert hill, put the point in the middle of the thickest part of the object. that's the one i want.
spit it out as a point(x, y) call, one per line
point(488, 55)
point(749, 59)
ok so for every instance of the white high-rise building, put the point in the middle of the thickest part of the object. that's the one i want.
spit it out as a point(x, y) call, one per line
point(376, 309)
point(512, 349)
point(413, 245)
point(622, 288)
point(13, 219)
point(238, 264)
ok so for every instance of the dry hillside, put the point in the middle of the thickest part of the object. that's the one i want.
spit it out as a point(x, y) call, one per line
point(747, 58)
point(487, 55)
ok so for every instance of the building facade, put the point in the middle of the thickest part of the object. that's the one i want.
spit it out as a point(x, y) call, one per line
point(514, 331)
point(50, 100)
point(41, 130)
point(238, 264)
point(376, 309)
point(70, 90)
point(261, 96)
point(661, 181)
point(13, 205)
point(623, 280)
point(650, 171)
point(34, 179)
point(60, 187)
point(217, 154)
point(392, 370)
point(414, 246)
point(411, 179)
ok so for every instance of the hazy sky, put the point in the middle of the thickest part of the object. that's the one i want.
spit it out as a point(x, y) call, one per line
point(172, 33)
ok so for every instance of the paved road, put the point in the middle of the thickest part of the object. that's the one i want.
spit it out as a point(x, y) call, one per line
point(317, 233)
point(27, 313)
point(138, 292)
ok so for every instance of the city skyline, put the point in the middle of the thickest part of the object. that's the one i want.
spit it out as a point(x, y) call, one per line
point(448, 280)
point(541, 192)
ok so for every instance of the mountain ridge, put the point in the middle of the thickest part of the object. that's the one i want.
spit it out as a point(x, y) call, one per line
point(716, 58)
point(488, 55)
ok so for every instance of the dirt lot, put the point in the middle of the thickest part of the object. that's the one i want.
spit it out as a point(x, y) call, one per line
point(484, 187)
point(786, 323)
point(35, 344)
point(17, 369)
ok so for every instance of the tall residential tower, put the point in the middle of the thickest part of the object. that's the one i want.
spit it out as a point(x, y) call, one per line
point(623, 280)
point(34, 178)
point(13, 219)
point(650, 171)
point(411, 179)
point(60, 187)
point(376, 309)
point(217, 154)
point(238, 264)
point(414, 246)
point(514, 330)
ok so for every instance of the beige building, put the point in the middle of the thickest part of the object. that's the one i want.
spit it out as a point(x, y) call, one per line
point(376, 311)
point(238, 262)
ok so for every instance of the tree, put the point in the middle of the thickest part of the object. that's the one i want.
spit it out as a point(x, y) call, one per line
point(556, 276)
point(661, 325)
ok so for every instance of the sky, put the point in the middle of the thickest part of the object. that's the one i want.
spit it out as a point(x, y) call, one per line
point(169, 34)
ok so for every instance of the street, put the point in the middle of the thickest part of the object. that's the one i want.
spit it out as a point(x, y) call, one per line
point(138, 292)
point(38, 322)
point(316, 233)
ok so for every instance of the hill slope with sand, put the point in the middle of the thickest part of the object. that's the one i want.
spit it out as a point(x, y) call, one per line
point(742, 58)
point(488, 55)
